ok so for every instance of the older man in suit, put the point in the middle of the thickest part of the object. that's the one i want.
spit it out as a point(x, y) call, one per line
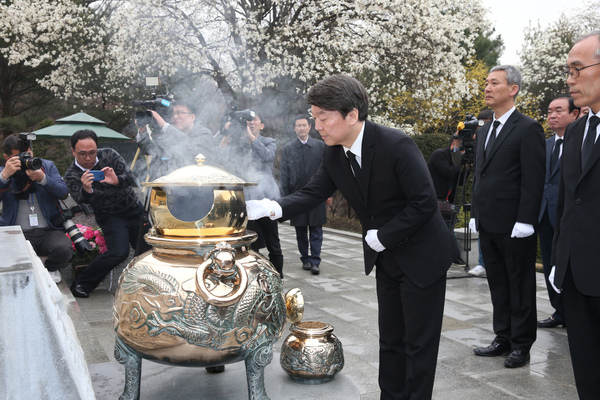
point(576, 253)
point(383, 175)
point(561, 112)
point(507, 193)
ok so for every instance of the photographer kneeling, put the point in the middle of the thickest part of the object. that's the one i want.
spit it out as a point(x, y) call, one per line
point(30, 190)
point(117, 209)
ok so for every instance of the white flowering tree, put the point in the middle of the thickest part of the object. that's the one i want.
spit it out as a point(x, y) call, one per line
point(544, 56)
point(44, 47)
point(252, 49)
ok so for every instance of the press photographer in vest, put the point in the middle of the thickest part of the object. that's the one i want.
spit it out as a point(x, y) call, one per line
point(30, 190)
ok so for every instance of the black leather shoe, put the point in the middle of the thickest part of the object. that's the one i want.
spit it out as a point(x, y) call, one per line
point(79, 291)
point(314, 269)
point(459, 261)
point(216, 369)
point(493, 350)
point(516, 359)
point(306, 266)
point(549, 322)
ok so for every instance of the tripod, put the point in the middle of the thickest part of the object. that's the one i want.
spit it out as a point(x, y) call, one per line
point(467, 166)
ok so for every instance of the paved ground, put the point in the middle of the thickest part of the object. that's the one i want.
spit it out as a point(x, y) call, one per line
point(344, 297)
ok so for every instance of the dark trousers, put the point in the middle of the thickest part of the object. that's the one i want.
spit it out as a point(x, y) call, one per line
point(546, 233)
point(268, 233)
point(120, 231)
point(583, 330)
point(309, 236)
point(53, 244)
point(510, 270)
point(410, 325)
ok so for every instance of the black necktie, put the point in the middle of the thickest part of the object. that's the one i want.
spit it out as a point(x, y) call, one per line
point(492, 138)
point(590, 139)
point(555, 154)
point(355, 167)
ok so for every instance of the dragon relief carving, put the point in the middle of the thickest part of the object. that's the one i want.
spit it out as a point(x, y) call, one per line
point(163, 309)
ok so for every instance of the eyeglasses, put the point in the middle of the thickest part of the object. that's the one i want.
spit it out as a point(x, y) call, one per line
point(573, 72)
point(181, 112)
point(89, 154)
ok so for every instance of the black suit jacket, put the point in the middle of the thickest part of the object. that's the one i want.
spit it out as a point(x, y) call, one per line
point(396, 197)
point(509, 182)
point(444, 173)
point(578, 215)
point(299, 162)
point(551, 181)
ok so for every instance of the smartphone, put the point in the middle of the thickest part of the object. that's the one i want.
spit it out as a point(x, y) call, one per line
point(98, 175)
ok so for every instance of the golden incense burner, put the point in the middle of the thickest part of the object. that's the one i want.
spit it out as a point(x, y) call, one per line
point(201, 297)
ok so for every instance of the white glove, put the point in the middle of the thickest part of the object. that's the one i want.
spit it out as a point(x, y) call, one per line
point(373, 241)
point(551, 279)
point(473, 225)
point(521, 230)
point(257, 209)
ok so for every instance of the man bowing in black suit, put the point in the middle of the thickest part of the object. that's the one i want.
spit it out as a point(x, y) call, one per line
point(383, 175)
point(507, 193)
point(576, 253)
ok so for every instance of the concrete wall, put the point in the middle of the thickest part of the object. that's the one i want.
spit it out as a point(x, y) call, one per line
point(40, 355)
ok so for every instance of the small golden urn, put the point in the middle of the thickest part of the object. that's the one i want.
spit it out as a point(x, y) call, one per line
point(311, 354)
point(201, 297)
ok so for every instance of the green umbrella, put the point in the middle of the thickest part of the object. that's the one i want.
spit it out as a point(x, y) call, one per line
point(66, 127)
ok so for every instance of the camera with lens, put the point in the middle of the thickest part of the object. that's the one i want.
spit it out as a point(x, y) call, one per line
point(27, 161)
point(238, 123)
point(466, 134)
point(161, 103)
point(64, 218)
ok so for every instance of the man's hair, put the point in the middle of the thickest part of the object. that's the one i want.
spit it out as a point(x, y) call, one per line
point(572, 106)
point(513, 76)
point(590, 34)
point(83, 134)
point(190, 106)
point(486, 114)
point(341, 93)
point(301, 116)
point(11, 143)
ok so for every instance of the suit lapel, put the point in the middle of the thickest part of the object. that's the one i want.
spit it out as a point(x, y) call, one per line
point(504, 132)
point(348, 184)
point(579, 142)
point(368, 154)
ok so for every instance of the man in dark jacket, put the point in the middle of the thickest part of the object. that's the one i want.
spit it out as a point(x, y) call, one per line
point(561, 112)
point(117, 209)
point(177, 144)
point(507, 193)
point(300, 160)
point(30, 199)
point(246, 153)
point(382, 174)
point(444, 167)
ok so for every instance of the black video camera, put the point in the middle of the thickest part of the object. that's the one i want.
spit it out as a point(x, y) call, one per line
point(160, 103)
point(466, 134)
point(238, 122)
point(27, 162)
point(64, 218)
